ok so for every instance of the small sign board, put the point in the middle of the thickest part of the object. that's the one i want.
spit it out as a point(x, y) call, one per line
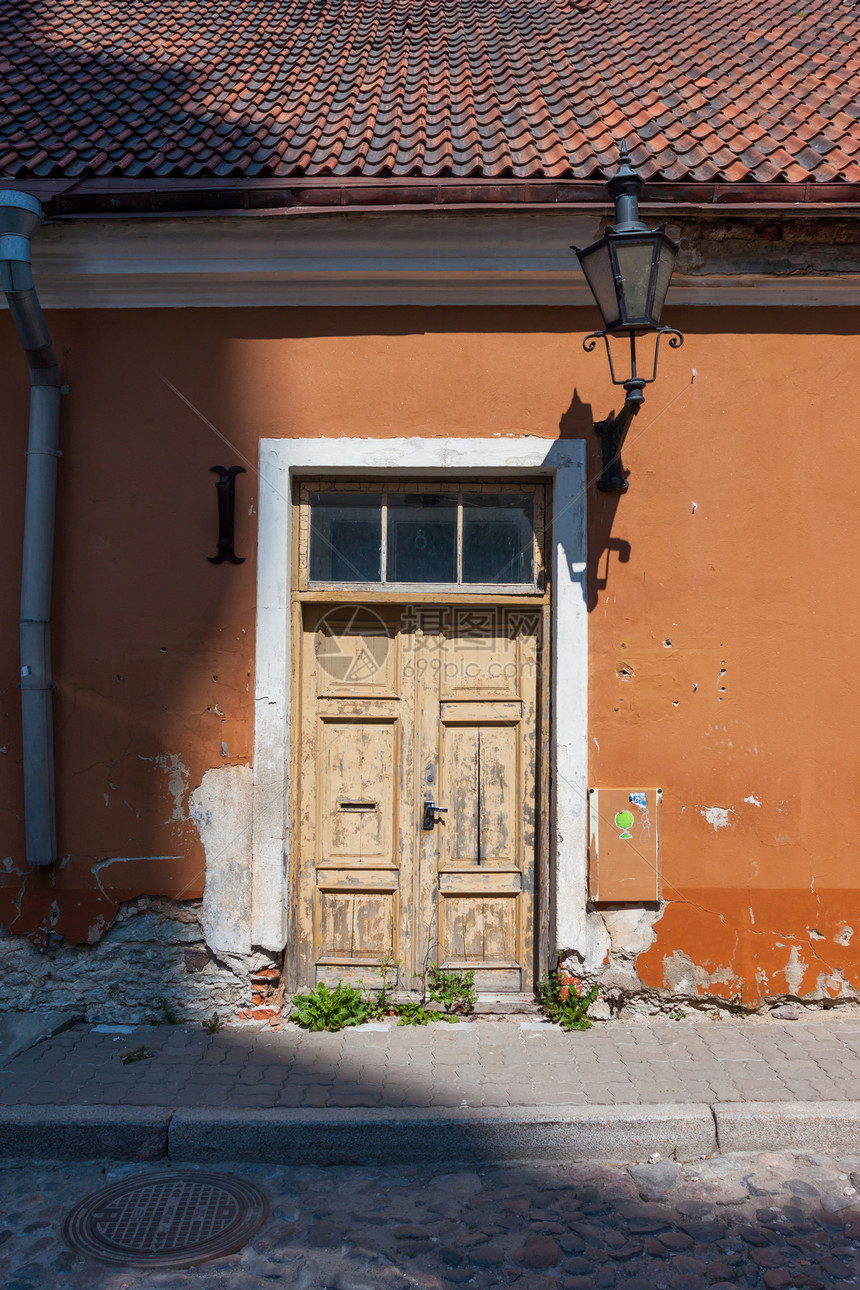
point(624, 848)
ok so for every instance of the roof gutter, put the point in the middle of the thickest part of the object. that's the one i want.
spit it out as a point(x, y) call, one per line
point(20, 216)
point(69, 199)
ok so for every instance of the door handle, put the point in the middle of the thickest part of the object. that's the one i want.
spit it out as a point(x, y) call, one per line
point(431, 813)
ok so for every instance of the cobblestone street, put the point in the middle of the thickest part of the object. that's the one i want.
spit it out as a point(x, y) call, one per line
point(773, 1221)
point(505, 1062)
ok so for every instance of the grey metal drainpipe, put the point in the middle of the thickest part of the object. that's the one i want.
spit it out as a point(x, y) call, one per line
point(20, 216)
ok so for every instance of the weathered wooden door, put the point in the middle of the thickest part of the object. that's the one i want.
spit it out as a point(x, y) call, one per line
point(478, 727)
point(416, 800)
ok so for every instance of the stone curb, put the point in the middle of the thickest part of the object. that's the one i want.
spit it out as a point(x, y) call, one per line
point(419, 1135)
point(84, 1132)
point(788, 1126)
point(427, 1136)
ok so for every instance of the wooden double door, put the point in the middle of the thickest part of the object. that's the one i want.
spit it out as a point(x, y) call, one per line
point(416, 804)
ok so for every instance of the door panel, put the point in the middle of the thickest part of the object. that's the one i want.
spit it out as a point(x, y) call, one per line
point(354, 928)
point(398, 706)
point(355, 828)
point(479, 930)
point(478, 656)
point(479, 717)
point(356, 792)
point(478, 784)
point(355, 653)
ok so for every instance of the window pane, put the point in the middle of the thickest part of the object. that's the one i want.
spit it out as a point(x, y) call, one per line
point(346, 537)
point(498, 537)
point(422, 537)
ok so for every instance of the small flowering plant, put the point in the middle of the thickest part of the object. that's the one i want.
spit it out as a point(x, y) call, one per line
point(564, 1000)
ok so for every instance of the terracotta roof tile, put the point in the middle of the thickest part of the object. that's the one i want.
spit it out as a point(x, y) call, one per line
point(757, 90)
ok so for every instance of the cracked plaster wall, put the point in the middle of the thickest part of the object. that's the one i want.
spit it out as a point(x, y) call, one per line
point(153, 645)
point(722, 601)
point(724, 605)
point(195, 955)
point(155, 949)
point(615, 954)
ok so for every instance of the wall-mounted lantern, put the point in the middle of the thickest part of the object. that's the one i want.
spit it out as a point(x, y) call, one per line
point(628, 271)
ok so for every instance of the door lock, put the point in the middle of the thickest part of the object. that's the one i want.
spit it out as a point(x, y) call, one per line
point(431, 813)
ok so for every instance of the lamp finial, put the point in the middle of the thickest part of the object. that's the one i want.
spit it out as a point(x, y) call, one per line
point(624, 189)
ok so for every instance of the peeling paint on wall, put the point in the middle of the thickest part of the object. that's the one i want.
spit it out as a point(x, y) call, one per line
point(98, 868)
point(616, 936)
point(685, 977)
point(717, 816)
point(795, 970)
point(731, 948)
point(177, 780)
point(221, 810)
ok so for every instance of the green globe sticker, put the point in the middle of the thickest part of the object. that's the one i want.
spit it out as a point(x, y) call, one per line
point(623, 821)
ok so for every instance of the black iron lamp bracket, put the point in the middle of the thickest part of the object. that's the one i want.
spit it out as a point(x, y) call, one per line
point(613, 431)
point(226, 490)
point(676, 340)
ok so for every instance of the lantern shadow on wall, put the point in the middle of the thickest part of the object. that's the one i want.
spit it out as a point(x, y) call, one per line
point(628, 270)
point(573, 424)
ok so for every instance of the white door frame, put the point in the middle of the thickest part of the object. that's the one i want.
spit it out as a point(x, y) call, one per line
point(563, 462)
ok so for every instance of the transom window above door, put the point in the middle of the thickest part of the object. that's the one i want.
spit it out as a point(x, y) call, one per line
point(422, 534)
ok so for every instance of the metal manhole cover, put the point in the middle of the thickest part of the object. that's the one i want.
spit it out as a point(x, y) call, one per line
point(167, 1220)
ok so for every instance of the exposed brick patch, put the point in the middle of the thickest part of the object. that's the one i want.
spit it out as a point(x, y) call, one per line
point(154, 950)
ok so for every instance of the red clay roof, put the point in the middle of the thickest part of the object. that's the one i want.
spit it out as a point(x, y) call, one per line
point(730, 90)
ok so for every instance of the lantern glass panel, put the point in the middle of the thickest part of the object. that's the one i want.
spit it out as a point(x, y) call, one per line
point(634, 266)
point(597, 267)
point(665, 265)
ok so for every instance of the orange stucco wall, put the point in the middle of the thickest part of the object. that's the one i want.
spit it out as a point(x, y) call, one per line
point(723, 594)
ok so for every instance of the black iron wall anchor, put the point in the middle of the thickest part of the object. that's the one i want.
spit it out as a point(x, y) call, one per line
point(613, 432)
point(226, 489)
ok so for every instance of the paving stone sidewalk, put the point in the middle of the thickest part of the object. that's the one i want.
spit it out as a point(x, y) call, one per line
point(490, 1063)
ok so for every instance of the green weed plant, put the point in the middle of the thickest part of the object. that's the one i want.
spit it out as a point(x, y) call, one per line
point(141, 1054)
point(325, 1009)
point(169, 1015)
point(453, 991)
point(416, 1013)
point(450, 995)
